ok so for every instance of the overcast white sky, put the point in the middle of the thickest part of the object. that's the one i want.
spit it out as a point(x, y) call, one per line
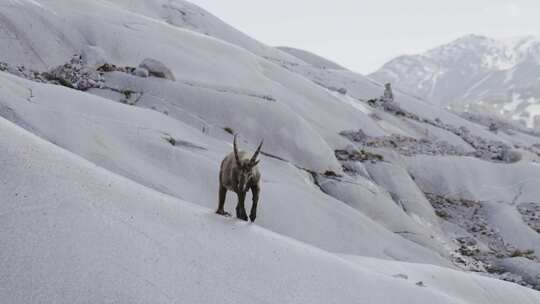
point(362, 35)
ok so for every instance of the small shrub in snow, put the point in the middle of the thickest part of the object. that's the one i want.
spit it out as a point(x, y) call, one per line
point(442, 214)
point(526, 253)
point(330, 173)
point(130, 97)
point(170, 139)
point(64, 82)
point(401, 276)
point(127, 93)
point(229, 130)
point(107, 67)
point(267, 97)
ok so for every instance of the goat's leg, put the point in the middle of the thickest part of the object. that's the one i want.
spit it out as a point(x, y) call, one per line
point(255, 190)
point(222, 195)
point(240, 208)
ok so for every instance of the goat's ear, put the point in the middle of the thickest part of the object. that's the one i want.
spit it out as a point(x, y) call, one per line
point(254, 164)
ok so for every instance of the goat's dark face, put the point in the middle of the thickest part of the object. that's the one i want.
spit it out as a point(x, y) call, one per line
point(244, 175)
point(245, 167)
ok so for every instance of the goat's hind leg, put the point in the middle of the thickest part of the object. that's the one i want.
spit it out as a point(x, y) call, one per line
point(222, 195)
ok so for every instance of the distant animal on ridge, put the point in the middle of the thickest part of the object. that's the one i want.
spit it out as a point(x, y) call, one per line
point(239, 173)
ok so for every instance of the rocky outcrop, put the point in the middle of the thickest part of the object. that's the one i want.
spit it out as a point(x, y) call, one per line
point(388, 94)
point(75, 74)
point(405, 145)
point(157, 69)
point(486, 149)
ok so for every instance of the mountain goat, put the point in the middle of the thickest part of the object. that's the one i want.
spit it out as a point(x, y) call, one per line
point(239, 174)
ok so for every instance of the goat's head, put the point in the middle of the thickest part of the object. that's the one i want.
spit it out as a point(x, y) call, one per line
point(245, 166)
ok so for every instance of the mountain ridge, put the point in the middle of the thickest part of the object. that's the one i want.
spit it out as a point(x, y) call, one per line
point(474, 73)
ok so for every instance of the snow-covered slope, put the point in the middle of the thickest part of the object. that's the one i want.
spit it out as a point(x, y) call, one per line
point(118, 177)
point(133, 142)
point(75, 233)
point(474, 73)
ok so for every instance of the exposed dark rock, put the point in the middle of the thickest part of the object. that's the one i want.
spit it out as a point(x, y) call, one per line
point(404, 145)
point(491, 150)
point(229, 130)
point(342, 91)
point(76, 75)
point(357, 155)
point(472, 253)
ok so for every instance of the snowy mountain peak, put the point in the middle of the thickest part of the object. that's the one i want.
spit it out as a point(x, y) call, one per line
point(474, 50)
point(471, 71)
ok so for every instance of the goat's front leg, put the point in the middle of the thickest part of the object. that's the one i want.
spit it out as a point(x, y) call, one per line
point(240, 208)
point(255, 190)
point(222, 195)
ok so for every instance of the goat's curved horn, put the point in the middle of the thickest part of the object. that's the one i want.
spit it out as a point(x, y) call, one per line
point(236, 151)
point(254, 157)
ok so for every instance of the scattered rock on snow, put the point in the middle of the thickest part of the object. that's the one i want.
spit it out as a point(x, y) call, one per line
point(75, 74)
point(401, 276)
point(495, 124)
point(130, 97)
point(530, 213)
point(483, 249)
point(342, 91)
point(490, 150)
point(528, 270)
point(109, 67)
point(358, 155)
point(405, 145)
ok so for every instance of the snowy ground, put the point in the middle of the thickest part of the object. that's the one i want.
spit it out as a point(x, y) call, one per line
point(109, 177)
